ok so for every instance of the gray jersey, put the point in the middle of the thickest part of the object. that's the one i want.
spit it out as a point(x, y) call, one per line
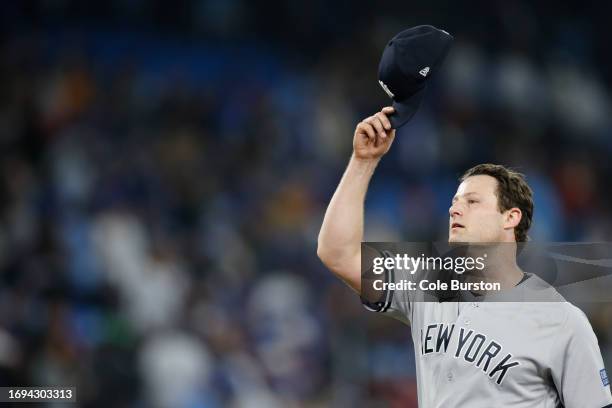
point(502, 354)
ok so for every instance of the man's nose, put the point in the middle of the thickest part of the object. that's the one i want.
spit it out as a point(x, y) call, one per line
point(454, 210)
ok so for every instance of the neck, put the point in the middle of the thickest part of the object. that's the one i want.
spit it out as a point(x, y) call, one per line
point(500, 266)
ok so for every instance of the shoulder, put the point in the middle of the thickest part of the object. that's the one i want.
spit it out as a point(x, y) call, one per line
point(537, 289)
point(565, 314)
point(576, 320)
point(542, 304)
point(549, 309)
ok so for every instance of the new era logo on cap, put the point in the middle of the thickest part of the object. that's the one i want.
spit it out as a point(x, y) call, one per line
point(424, 71)
point(604, 377)
point(386, 89)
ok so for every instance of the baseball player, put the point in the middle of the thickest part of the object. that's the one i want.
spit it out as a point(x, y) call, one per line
point(469, 353)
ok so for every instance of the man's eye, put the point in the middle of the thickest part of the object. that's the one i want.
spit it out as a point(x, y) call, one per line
point(472, 201)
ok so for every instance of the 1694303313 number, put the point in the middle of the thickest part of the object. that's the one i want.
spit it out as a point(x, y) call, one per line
point(29, 394)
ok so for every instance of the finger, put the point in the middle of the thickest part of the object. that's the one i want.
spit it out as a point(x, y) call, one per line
point(387, 110)
point(389, 140)
point(384, 120)
point(367, 129)
point(375, 121)
point(378, 141)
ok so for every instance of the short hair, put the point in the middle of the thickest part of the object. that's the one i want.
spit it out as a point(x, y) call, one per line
point(512, 191)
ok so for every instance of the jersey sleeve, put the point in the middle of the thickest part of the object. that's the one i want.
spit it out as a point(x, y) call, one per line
point(392, 303)
point(578, 369)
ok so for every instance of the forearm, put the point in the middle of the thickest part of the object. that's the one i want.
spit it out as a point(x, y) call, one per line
point(341, 234)
point(342, 230)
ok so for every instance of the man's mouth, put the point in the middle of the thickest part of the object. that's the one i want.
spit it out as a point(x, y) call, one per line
point(455, 225)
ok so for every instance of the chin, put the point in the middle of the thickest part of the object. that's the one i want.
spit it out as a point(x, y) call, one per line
point(456, 238)
point(463, 239)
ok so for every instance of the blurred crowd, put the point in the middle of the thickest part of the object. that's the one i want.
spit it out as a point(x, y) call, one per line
point(161, 194)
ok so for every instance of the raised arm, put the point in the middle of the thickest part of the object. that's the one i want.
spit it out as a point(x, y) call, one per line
point(339, 244)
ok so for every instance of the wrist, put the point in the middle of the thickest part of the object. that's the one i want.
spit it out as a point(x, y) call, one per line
point(365, 161)
point(364, 165)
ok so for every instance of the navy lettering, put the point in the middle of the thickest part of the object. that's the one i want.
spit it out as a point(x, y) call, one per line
point(444, 337)
point(503, 368)
point(427, 338)
point(474, 340)
point(488, 354)
point(462, 340)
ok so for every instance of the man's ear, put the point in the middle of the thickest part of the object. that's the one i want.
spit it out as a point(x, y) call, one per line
point(513, 217)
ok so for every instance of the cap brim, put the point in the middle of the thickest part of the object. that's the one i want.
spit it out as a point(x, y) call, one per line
point(405, 110)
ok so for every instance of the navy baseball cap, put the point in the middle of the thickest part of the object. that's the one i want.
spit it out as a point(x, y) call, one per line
point(408, 61)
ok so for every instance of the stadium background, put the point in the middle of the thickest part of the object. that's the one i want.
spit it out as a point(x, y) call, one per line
point(164, 169)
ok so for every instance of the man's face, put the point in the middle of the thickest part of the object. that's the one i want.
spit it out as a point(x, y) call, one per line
point(474, 213)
